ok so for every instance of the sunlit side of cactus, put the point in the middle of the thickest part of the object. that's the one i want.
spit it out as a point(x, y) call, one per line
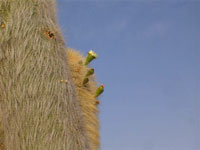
point(86, 94)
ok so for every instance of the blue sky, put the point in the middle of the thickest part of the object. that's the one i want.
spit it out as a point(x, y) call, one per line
point(149, 61)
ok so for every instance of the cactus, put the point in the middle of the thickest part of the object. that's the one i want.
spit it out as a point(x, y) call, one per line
point(1, 138)
point(37, 110)
point(91, 55)
point(99, 90)
point(85, 95)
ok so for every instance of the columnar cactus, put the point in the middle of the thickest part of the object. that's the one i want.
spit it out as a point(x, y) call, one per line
point(37, 110)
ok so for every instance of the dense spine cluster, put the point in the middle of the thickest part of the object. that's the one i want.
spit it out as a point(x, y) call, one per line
point(86, 95)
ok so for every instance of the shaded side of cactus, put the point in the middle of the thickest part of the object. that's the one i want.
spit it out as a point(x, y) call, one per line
point(85, 95)
point(38, 112)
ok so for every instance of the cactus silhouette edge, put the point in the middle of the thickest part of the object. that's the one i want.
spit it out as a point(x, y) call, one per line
point(42, 104)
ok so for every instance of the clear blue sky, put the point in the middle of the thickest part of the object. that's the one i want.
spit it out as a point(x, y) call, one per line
point(149, 61)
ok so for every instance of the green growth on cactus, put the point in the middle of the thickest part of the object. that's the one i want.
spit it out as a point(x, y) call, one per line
point(85, 81)
point(91, 55)
point(90, 72)
point(99, 90)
